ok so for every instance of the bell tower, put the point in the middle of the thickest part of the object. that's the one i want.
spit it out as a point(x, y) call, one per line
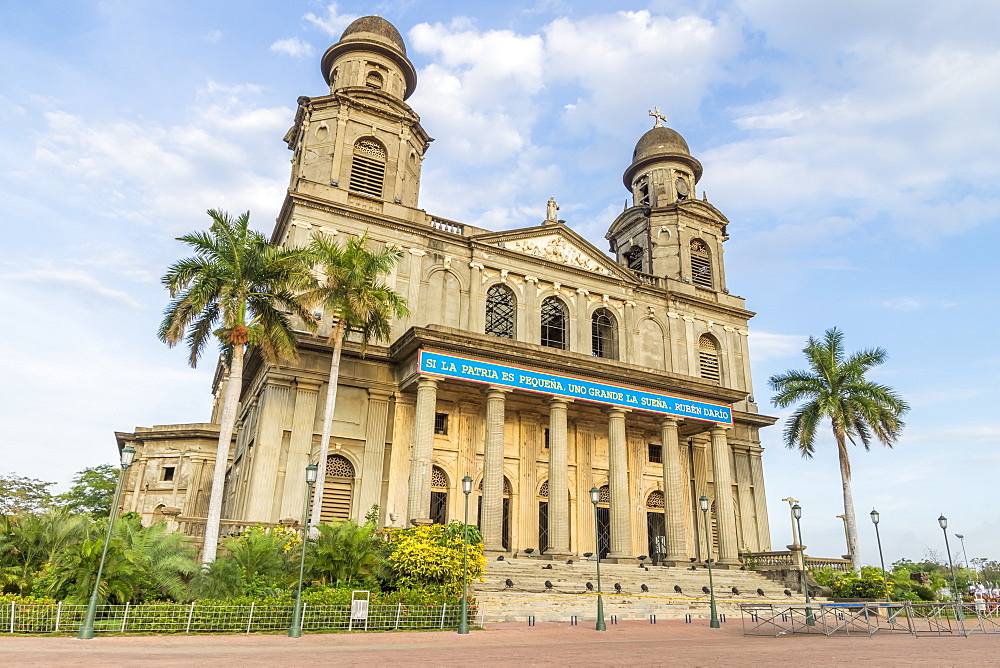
point(667, 232)
point(362, 139)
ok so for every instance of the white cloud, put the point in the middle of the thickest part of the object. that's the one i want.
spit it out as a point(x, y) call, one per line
point(903, 304)
point(212, 36)
point(333, 23)
point(72, 279)
point(767, 346)
point(292, 46)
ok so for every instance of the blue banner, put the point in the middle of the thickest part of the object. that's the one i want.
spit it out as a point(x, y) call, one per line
point(480, 371)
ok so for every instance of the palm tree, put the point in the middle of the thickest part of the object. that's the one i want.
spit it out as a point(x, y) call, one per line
point(233, 287)
point(835, 388)
point(343, 552)
point(351, 288)
point(29, 542)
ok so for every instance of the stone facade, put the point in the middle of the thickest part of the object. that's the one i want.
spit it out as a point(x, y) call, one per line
point(657, 317)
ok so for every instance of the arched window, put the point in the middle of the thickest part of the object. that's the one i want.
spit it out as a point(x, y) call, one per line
point(374, 80)
point(708, 359)
point(655, 500)
point(554, 323)
point(633, 256)
point(368, 167)
point(501, 312)
point(604, 334)
point(642, 191)
point(439, 495)
point(338, 489)
point(701, 264)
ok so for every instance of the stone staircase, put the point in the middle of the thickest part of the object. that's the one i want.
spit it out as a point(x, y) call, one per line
point(569, 596)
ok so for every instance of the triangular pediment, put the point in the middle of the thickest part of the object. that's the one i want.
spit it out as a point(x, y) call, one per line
point(557, 243)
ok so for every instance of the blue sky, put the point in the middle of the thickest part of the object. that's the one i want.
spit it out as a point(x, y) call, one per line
point(853, 146)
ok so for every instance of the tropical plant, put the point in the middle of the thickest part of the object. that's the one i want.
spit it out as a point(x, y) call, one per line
point(344, 552)
point(234, 287)
point(143, 564)
point(430, 557)
point(93, 491)
point(835, 389)
point(29, 542)
point(256, 563)
point(20, 495)
point(351, 289)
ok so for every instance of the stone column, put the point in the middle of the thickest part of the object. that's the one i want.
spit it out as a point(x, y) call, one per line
point(699, 458)
point(621, 517)
point(747, 510)
point(261, 503)
point(374, 455)
point(725, 511)
point(760, 500)
point(491, 517)
point(584, 330)
point(300, 448)
point(558, 479)
point(673, 492)
point(399, 456)
point(475, 322)
point(418, 503)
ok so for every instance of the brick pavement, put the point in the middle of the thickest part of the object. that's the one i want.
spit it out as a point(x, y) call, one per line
point(669, 643)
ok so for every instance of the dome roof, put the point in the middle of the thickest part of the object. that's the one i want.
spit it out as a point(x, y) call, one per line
point(377, 27)
point(660, 141)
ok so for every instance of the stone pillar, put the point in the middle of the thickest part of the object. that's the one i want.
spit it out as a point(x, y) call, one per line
point(399, 455)
point(558, 479)
point(491, 518)
point(374, 454)
point(261, 503)
point(699, 458)
point(760, 501)
point(673, 492)
point(418, 505)
point(725, 512)
point(584, 330)
point(747, 510)
point(621, 516)
point(300, 448)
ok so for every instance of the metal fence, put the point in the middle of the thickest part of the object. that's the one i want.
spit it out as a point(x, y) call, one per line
point(194, 618)
point(922, 619)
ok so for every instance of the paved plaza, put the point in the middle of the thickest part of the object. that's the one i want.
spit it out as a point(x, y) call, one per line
point(668, 643)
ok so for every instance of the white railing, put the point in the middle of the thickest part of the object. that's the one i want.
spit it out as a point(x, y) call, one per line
point(253, 618)
point(447, 226)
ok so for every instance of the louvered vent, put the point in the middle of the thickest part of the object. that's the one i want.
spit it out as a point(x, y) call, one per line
point(701, 264)
point(338, 489)
point(368, 168)
point(708, 358)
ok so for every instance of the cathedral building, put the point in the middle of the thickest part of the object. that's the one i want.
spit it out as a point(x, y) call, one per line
point(531, 361)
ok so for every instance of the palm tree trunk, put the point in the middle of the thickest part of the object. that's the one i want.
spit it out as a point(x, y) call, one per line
point(234, 385)
point(331, 402)
point(852, 526)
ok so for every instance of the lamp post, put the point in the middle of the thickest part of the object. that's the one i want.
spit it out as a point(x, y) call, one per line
point(943, 523)
point(874, 514)
point(295, 630)
point(797, 514)
point(595, 496)
point(962, 538)
point(463, 622)
point(86, 631)
point(708, 559)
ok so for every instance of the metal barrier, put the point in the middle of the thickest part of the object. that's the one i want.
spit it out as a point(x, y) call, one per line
point(253, 618)
point(921, 619)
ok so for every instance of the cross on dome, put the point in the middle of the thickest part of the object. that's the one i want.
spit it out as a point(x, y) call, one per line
point(658, 116)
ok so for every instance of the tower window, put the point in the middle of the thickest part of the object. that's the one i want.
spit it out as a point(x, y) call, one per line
point(554, 323)
point(501, 308)
point(603, 336)
point(368, 167)
point(168, 473)
point(682, 188)
point(374, 80)
point(654, 453)
point(708, 359)
point(701, 264)
point(642, 192)
point(545, 437)
point(633, 257)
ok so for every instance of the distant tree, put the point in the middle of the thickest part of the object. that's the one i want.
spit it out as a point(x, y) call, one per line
point(351, 288)
point(21, 495)
point(835, 389)
point(93, 491)
point(240, 289)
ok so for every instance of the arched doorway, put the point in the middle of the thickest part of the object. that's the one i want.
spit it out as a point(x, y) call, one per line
point(543, 517)
point(506, 511)
point(656, 528)
point(439, 496)
point(338, 490)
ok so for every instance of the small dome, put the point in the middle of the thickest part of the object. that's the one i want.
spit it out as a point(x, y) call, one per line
point(374, 26)
point(659, 141)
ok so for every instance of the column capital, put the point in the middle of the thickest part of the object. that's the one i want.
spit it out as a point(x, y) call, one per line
point(617, 411)
point(308, 384)
point(669, 422)
point(559, 401)
point(496, 392)
point(427, 381)
point(719, 429)
point(375, 394)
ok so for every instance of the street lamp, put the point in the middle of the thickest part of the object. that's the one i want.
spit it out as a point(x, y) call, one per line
point(797, 514)
point(463, 622)
point(708, 543)
point(295, 630)
point(962, 538)
point(87, 628)
point(595, 496)
point(874, 514)
point(943, 523)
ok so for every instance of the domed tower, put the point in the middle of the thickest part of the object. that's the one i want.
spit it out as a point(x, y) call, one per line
point(667, 232)
point(362, 140)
